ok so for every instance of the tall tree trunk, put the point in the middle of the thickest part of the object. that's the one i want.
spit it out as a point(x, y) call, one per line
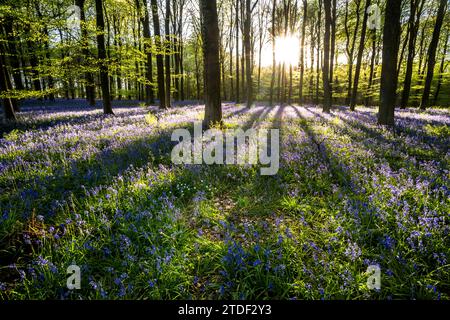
point(167, 51)
point(326, 57)
point(182, 64)
point(260, 48)
point(159, 57)
point(7, 103)
point(441, 68)
point(319, 37)
point(145, 21)
point(333, 41)
point(350, 46)
point(372, 67)
point(232, 93)
point(104, 79)
point(274, 62)
point(197, 73)
point(34, 62)
point(362, 44)
point(50, 79)
point(302, 50)
point(237, 52)
point(414, 22)
point(247, 44)
point(118, 60)
point(391, 43)
point(432, 53)
point(210, 35)
point(14, 61)
point(311, 78)
point(88, 76)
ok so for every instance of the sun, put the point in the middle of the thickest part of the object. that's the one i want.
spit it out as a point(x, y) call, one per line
point(287, 50)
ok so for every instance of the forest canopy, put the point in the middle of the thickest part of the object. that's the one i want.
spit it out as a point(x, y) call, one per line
point(50, 50)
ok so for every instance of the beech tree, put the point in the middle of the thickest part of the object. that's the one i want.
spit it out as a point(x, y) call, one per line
point(210, 37)
point(391, 43)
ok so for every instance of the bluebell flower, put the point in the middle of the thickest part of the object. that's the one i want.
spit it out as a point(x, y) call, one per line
point(94, 285)
point(257, 262)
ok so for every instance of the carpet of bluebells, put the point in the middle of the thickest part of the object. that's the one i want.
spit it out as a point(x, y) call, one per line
point(101, 192)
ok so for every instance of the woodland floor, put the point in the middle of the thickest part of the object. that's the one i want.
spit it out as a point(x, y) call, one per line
point(101, 192)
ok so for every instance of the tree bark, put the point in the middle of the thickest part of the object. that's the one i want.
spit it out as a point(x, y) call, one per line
point(333, 41)
point(7, 103)
point(145, 21)
point(326, 58)
point(247, 44)
point(302, 50)
point(274, 62)
point(14, 61)
point(237, 53)
point(441, 68)
point(391, 43)
point(362, 43)
point(159, 57)
point(432, 53)
point(89, 78)
point(210, 35)
point(168, 54)
point(104, 79)
point(414, 23)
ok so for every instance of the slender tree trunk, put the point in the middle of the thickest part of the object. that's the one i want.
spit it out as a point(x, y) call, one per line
point(350, 46)
point(302, 50)
point(326, 58)
point(362, 44)
point(210, 35)
point(232, 93)
point(372, 67)
point(7, 103)
point(197, 73)
point(167, 46)
point(14, 61)
point(118, 45)
point(441, 69)
point(104, 79)
point(247, 44)
point(159, 57)
point(145, 21)
point(414, 22)
point(237, 52)
point(33, 59)
point(333, 41)
point(432, 53)
point(47, 56)
point(274, 62)
point(311, 79)
point(391, 43)
point(319, 36)
point(260, 48)
point(88, 76)
point(182, 64)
